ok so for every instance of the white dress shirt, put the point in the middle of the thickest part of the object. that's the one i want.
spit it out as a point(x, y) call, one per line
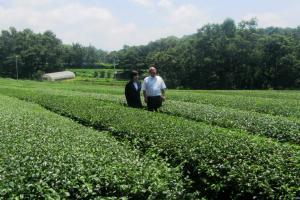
point(153, 86)
point(135, 85)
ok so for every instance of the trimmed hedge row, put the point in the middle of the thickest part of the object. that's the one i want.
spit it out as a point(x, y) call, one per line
point(69, 86)
point(281, 107)
point(276, 94)
point(46, 156)
point(277, 127)
point(221, 163)
point(274, 106)
point(280, 128)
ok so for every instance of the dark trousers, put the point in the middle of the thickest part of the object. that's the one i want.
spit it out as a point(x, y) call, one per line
point(154, 103)
point(137, 104)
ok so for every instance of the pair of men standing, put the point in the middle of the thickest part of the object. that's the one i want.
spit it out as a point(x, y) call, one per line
point(153, 89)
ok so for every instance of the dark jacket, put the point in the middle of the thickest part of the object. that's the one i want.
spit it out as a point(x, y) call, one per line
point(133, 97)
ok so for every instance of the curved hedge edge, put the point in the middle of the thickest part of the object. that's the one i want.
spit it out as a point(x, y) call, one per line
point(213, 145)
point(285, 108)
point(29, 163)
point(279, 128)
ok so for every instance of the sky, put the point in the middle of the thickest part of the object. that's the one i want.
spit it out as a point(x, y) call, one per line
point(111, 24)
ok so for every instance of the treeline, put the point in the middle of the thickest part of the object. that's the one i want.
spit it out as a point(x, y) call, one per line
point(218, 56)
point(223, 56)
point(34, 54)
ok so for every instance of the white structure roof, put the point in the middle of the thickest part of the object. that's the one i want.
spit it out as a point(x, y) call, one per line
point(59, 76)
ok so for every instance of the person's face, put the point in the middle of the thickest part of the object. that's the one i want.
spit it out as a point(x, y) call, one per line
point(153, 72)
point(136, 78)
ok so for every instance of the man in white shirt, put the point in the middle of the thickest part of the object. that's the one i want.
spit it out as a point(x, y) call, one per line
point(154, 90)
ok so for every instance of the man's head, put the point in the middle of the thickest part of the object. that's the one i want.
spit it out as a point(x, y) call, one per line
point(152, 71)
point(134, 75)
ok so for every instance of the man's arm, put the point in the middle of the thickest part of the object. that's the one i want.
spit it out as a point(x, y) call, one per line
point(163, 94)
point(163, 90)
point(145, 96)
point(144, 91)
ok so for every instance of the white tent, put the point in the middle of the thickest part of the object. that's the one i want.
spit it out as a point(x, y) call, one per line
point(59, 76)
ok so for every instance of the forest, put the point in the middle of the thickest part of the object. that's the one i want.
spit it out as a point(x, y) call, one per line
point(228, 55)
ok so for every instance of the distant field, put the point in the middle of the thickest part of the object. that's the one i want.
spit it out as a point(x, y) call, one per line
point(99, 73)
point(209, 144)
point(94, 73)
point(96, 76)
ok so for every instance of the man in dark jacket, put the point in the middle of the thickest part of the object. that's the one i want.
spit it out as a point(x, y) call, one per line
point(132, 91)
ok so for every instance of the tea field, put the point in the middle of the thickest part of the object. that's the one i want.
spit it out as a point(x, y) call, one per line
point(79, 140)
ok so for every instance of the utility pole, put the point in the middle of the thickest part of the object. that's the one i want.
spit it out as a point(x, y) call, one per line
point(115, 72)
point(17, 70)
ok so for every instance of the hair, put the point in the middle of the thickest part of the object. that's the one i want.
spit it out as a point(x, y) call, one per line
point(152, 66)
point(133, 74)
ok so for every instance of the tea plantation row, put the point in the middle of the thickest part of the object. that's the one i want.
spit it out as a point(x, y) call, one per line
point(46, 156)
point(277, 105)
point(274, 94)
point(220, 162)
point(281, 107)
point(279, 128)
